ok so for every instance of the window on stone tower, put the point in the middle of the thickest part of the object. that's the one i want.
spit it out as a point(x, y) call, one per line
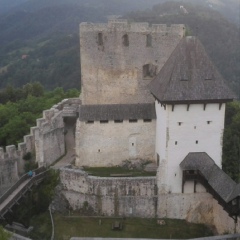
point(149, 71)
point(125, 40)
point(149, 40)
point(100, 39)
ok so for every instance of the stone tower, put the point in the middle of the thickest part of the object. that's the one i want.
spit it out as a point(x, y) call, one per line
point(119, 59)
point(190, 106)
point(117, 119)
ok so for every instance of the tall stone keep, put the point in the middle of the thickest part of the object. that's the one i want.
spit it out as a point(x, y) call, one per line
point(119, 59)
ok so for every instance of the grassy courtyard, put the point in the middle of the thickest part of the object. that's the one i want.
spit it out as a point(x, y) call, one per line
point(70, 226)
point(117, 171)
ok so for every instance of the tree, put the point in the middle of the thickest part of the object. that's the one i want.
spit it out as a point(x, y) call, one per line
point(4, 235)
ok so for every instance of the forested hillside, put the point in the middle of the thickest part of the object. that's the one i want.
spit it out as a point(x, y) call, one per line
point(20, 107)
point(42, 42)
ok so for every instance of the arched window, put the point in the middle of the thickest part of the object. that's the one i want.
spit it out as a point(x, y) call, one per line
point(100, 39)
point(149, 40)
point(149, 71)
point(125, 40)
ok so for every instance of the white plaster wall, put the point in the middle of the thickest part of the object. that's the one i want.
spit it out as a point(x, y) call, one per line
point(108, 144)
point(181, 139)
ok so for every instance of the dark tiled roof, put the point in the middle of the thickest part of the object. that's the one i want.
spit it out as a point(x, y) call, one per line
point(216, 177)
point(117, 112)
point(189, 75)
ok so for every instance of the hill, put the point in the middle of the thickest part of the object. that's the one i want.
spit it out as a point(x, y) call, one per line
point(46, 34)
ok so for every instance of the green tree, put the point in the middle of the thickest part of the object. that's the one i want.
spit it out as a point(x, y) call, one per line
point(4, 235)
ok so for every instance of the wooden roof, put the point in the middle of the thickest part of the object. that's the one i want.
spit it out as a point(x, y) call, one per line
point(216, 177)
point(117, 112)
point(189, 75)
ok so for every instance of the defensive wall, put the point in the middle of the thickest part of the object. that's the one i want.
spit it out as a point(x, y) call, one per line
point(45, 142)
point(111, 72)
point(139, 197)
point(110, 196)
point(106, 144)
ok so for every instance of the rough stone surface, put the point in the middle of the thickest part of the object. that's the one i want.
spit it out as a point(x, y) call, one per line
point(45, 141)
point(108, 144)
point(110, 196)
point(111, 72)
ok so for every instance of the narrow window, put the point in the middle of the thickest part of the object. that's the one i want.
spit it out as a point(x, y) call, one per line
point(118, 121)
point(103, 121)
point(175, 142)
point(133, 120)
point(98, 150)
point(158, 159)
point(195, 127)
point(179, 123)
point(132, 144)
point(149, 40)
point(208, 122)
point(125, 40)
point(149, 71)
point(147, 120)
point(100, 39)
point(89, 122)
point(197, 142)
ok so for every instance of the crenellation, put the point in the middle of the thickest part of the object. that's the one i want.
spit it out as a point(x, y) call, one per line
point(2, 154)
point(11, 151)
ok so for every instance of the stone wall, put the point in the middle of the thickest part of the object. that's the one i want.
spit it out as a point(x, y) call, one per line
point(110, 196)
point(108, 144)
point(45, 142)
point(113, 57)
point(139, 197)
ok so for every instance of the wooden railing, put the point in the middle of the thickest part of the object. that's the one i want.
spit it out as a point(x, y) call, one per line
point(40, 175)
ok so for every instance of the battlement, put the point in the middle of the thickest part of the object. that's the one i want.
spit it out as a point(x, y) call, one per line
point(51, 121)
point(123, 25)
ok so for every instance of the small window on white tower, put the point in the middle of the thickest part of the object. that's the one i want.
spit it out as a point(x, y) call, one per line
point(197, 142)
point(176, 142)
point(208, 122)
point(179, 123)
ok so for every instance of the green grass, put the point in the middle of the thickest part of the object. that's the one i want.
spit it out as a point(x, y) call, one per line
point(107, 171)
point(66, 227)
point(77, 226)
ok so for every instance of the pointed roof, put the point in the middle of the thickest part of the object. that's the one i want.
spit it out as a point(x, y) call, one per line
point(190, 76)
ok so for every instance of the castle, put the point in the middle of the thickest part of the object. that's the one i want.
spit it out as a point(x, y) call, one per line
point(148, 93)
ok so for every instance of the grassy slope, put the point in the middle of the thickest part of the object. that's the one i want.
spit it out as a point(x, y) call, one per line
point(66, 227)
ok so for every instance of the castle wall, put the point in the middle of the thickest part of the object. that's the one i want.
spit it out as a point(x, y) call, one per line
point(45, 142)
point(111, 72)
point(183, 131)
point(139, 197)
point(108, 144)
point(50, 144)
point(110, 196)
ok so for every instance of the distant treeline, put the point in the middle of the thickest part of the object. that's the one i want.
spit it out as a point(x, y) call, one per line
point(20, 107)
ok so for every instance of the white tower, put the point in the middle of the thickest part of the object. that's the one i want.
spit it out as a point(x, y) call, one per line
point(190, 106)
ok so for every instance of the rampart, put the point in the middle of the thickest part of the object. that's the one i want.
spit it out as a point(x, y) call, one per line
point(45, 142)
point(118, 196)
point(111, 72)
point(139, 197)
